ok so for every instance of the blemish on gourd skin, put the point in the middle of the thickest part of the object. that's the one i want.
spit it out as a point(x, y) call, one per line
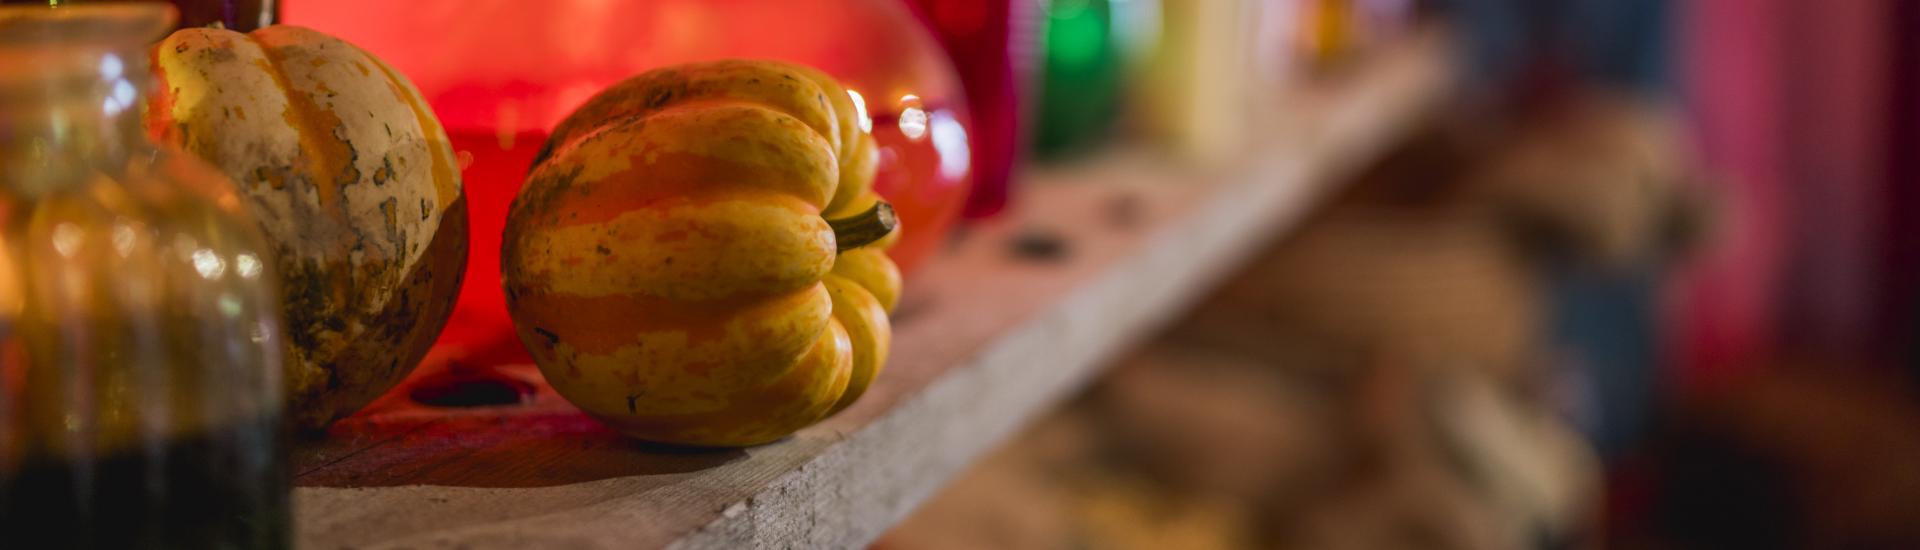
point(384, 172)
point(441, 164)
point(390, 210)
point(552, 339)
point(660, 97)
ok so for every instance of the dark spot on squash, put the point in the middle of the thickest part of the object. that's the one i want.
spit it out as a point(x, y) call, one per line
point(660, 97)
point(552, 339)
point(384, 172)
point(633, 402)
point(258, 176)
point(603, 250)
point(186, 131)
point(546, 149)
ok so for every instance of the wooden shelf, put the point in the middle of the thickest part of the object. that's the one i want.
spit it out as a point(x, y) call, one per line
point(987, 338)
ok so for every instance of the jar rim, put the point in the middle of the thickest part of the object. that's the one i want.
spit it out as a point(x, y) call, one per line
point(101, 25)
point(55, 51)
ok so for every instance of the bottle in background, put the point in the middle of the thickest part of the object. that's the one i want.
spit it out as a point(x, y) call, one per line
point(1193, 93)
point(991, 43)
point(1079, 85)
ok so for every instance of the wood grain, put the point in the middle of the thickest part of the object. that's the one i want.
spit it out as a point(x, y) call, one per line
point(1009, 320)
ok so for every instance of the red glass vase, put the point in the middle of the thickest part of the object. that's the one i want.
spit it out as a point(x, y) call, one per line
point(990, 42)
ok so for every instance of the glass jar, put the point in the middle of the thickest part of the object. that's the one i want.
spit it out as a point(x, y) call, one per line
point(140, 381)
point(238, 15)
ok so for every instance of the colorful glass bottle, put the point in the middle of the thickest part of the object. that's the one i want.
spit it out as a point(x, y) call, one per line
point(1079, 78)
point(991, 43)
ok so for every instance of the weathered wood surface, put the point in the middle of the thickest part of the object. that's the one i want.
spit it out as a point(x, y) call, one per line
point(986, 338)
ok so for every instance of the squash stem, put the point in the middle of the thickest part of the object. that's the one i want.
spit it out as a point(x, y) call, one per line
point(862, 229)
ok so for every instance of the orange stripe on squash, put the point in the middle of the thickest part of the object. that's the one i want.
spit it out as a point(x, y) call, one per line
point(671, 179)
point(601, 324)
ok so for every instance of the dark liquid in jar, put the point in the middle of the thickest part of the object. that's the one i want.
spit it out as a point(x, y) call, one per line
point(223, 489)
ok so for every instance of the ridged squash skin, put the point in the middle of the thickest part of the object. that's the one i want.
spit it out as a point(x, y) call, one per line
point(352, 179)
point(669, 266)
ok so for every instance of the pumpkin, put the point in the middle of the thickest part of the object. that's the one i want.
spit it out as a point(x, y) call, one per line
point(669, 266)
point(353, 181)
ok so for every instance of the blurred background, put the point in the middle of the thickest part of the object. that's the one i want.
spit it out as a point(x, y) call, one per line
point(1643, 281)
point(1646, 282)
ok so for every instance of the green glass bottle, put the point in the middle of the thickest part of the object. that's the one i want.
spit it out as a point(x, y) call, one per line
point(1079, 78)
